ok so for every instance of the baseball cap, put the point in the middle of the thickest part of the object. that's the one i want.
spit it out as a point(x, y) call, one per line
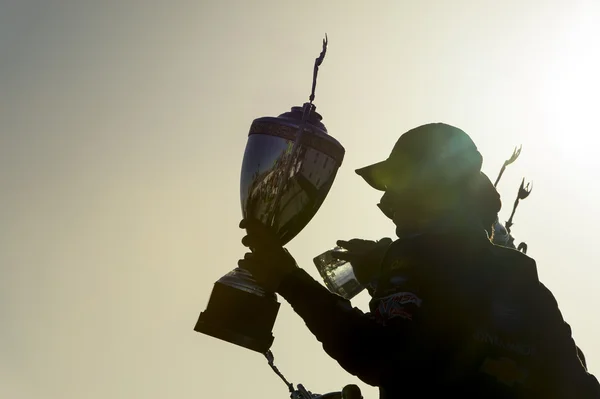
point(432, 154)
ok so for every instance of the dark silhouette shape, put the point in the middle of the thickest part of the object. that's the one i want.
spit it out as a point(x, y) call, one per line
point(318, 62)
point(524, 191)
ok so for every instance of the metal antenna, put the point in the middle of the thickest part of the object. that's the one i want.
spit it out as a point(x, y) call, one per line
point(318, 62)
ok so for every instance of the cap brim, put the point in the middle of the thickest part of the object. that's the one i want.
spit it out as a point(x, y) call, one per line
point(376, 175)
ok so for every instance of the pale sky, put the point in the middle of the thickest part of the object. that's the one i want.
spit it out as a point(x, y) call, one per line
point(122, 130)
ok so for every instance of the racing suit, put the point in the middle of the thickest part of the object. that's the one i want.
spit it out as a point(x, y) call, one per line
point(451, 314)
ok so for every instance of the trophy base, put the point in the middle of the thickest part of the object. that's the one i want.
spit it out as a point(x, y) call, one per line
point(240, 312)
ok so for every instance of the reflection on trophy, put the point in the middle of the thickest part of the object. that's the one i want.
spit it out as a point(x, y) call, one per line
point(289, 165)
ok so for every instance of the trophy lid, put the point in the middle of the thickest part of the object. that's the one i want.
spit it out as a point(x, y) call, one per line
point(293, 119)
point(295, 114)
point(287, 124)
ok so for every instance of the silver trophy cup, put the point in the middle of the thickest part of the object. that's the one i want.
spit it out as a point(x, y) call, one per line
point(289, 165)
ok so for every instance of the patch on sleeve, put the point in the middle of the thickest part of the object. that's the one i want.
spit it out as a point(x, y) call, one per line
point(400, 304)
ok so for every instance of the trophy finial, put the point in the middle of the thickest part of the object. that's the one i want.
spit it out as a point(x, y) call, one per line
point(524, 191)
point(318, 62)
point(510, 160)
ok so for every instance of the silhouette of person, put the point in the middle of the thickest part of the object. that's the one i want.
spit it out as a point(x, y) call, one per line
point(451, 313)
point(366, 256)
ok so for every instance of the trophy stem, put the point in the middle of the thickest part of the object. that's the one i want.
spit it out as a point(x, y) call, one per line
point(242, 279)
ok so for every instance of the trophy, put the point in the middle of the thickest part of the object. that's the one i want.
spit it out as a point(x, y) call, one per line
point(338, 275)
point(289, 165)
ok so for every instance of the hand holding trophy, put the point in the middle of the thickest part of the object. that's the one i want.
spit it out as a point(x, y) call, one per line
point(289, 166)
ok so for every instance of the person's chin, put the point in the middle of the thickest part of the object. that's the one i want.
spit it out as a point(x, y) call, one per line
point(401, 231)
point(406, 228)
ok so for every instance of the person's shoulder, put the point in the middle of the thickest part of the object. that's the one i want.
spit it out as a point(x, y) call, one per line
point(510, 254)
point(516, 260)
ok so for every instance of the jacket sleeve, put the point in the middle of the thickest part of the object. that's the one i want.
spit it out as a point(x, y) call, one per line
point(363, 347)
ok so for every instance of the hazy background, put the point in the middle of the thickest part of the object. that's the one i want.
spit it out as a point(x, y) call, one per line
point(122, 130)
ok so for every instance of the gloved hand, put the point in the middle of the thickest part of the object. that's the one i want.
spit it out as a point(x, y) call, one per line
point(269, 263)
point(365, 256)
